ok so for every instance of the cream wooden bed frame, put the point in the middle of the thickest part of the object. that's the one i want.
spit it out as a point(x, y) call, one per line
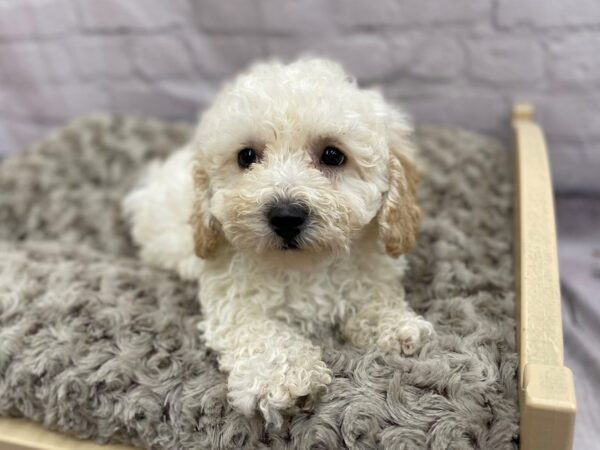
point(547, 395)
point(547, 392)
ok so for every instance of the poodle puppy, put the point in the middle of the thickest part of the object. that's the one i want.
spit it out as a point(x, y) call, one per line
point(288, 206)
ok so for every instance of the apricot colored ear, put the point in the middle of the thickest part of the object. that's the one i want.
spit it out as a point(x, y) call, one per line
point(400, 215)
point(207, 232)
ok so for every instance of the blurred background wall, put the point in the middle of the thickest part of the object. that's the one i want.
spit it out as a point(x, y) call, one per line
point(458, 62)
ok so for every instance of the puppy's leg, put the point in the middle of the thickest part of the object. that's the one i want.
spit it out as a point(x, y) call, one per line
point(159, 210)
point(388, 326)
point(270, 366)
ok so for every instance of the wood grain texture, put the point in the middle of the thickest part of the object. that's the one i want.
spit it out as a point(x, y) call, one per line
point(547, 394)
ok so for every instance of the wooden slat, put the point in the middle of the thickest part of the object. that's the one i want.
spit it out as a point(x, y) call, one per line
point(22, 434)
point(547, 394)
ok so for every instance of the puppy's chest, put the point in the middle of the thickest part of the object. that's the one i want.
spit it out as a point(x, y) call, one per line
point(318, 298)
point(307, 299)
point(324, 298)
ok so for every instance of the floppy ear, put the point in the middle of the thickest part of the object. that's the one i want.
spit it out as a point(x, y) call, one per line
point(400, 215)
point(207, 232)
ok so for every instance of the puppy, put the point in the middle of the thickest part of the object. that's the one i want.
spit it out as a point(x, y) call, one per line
point(288, 206)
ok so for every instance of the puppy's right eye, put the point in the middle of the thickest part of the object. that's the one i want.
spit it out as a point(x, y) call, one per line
point(246, 157)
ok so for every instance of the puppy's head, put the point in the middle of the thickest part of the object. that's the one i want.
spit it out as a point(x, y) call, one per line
point(297, 160)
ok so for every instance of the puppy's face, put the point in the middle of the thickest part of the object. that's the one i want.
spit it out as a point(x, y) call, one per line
point(297, 160)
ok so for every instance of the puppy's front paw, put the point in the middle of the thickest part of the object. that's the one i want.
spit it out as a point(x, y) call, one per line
point(277, 385)
point(408, 335)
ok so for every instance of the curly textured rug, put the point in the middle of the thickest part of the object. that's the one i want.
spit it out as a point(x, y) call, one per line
point(94, 344)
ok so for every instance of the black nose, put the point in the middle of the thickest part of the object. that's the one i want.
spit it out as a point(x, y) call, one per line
point(287, 219)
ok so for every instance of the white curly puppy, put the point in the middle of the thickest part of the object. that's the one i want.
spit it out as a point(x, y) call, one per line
point(295, 191)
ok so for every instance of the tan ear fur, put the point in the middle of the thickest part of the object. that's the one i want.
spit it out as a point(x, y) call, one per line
point(207, 232)
point(400, 214)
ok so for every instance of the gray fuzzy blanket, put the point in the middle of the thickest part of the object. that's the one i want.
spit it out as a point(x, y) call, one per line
point(94, 344)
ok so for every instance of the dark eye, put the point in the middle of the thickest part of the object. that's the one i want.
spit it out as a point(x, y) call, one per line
point(246, 157)
point(333, 156)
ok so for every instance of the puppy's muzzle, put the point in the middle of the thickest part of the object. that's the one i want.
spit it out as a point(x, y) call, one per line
point(287, 220)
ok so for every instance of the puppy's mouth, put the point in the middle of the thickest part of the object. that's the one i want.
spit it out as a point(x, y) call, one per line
point(291, 245)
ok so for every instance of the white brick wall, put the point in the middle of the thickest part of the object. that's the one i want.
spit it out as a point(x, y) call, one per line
point(459, 62)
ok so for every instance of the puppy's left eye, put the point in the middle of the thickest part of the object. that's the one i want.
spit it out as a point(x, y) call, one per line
point(333, 156)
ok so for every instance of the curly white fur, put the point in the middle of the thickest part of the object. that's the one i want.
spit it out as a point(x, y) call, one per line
point(262, 303)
